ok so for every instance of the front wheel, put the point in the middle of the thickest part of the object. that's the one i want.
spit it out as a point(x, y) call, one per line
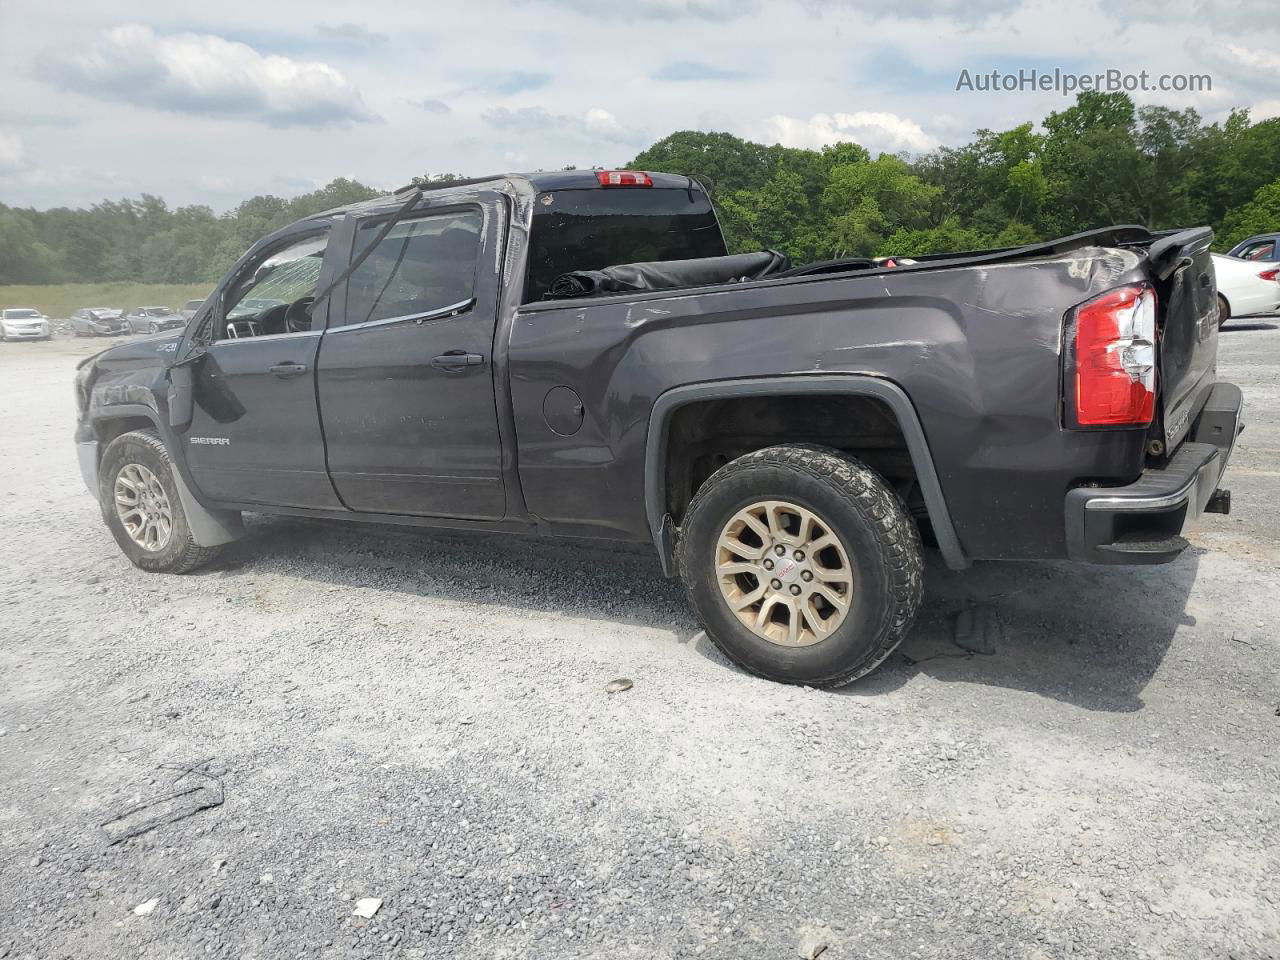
point(802, 565)
point(141, 506)
point(153, 328)
point(1224, 311)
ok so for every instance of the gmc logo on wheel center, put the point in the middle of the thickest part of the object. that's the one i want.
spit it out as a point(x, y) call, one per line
point(211, 441)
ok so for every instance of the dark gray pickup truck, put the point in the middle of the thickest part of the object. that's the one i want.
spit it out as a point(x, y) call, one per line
point(573, 354)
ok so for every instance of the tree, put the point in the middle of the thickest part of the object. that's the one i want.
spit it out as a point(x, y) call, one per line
point(864, 203)
point(1098, 162)
point(1260, 215)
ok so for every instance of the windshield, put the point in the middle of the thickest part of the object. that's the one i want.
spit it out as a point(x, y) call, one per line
point(21, 314)
point(192, 305)
point(594, 228)
point(157, 311)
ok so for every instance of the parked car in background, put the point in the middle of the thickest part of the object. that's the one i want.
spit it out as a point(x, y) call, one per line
point(154, 319)
point(1264, 247)
point(188, 309)
point(24, 323)
point(98, 322)
point(1245, 287)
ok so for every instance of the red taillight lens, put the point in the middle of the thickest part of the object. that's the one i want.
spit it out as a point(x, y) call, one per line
point(623, 178)
point(1270, 274)
point(1115, 358)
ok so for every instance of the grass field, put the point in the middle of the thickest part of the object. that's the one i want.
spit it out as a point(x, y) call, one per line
point(59, 300)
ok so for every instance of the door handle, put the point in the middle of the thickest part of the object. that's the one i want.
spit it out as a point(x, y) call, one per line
point(286, 370)
point(455, 361)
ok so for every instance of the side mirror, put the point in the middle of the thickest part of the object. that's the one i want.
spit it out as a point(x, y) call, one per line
point(182, 393)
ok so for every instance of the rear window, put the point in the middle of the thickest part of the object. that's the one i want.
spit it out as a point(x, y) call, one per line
point(591, 229)
point(20, 314)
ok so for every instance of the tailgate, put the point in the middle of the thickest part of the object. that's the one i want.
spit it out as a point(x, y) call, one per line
point(1189, 327)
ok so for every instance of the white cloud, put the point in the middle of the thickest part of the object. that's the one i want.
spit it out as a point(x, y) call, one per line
point(13, 155)
point(715, 10)
point(1253, 67)
point(595, 124)
point(1264, 110)
point(205, 74)
point(603, 124)
point(885, 132)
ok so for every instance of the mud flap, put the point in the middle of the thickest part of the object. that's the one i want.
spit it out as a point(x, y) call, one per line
point(209, 528)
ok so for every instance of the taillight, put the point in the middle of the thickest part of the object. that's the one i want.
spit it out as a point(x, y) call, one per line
point(623, 178)
point(1270, 274)
point(1113, 358)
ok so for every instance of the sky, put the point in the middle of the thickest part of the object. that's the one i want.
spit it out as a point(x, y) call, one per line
point(212, 103)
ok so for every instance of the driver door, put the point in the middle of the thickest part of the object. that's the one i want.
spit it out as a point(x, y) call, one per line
point(255, 433)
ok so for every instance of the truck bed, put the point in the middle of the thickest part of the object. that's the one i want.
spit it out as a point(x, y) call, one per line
point(973, 339)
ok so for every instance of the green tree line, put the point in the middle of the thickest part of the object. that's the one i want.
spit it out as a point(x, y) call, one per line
point(1098, 162)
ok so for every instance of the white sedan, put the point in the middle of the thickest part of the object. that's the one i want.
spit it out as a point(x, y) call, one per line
point(23, 323)
point(1245, 287)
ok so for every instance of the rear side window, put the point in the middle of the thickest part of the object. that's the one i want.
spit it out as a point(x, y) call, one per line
point(1266, 250)
point(422, 265)
point(595, 228)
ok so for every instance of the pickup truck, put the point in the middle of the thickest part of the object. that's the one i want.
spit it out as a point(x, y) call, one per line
point(573, 354)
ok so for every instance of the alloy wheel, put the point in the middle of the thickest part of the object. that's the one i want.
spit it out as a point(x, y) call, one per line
point(143, 507)
point(784, 573)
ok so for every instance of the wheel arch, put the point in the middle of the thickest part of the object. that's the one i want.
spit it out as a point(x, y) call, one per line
point(657, 445)
point(210, 527)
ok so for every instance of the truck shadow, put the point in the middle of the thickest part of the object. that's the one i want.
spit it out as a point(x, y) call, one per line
point(1090, 636)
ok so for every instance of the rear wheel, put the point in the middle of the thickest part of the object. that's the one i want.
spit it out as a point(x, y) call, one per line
point(141, 506)
point(802, 565)
point(1224, 310)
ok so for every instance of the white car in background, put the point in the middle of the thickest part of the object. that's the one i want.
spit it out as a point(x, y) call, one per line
point(1245, 287)
point(24, 323)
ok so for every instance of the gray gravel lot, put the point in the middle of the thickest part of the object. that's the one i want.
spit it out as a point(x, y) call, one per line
point(422, 719)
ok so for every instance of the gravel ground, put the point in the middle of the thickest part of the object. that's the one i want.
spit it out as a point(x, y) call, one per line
point(423, 720)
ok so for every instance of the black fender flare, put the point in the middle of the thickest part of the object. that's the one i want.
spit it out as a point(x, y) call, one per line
point(210, 526)
point(661, 526)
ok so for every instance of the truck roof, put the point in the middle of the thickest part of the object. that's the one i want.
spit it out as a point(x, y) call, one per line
point(540, 181)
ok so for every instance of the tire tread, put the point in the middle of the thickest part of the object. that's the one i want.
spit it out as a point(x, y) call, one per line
point(866, 495)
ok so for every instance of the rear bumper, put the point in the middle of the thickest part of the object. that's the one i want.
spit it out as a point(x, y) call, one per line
point(1142, 522)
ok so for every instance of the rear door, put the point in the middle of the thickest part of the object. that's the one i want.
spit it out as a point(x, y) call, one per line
point(1189, 335)
point(405, 379)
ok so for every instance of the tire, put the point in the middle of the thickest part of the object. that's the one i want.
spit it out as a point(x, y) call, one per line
point(179, 553)
point(880, 546)
point(1224, 311)
point(153, 329)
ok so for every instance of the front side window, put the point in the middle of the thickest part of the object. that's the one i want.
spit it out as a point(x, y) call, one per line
point(276, 294)
point(421, 266)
